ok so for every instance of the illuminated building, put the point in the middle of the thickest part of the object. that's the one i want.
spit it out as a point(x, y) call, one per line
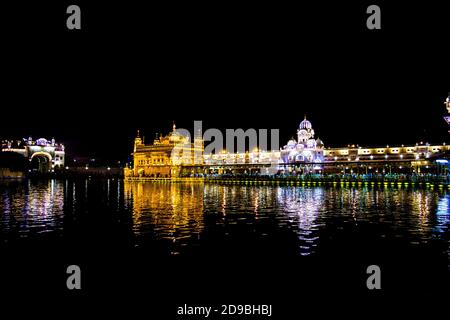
point(306, 148)
point(407, 159)
point(166, 156)
point(44, 155)
point(305, 155)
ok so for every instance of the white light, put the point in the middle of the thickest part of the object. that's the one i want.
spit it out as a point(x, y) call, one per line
point(67, 168)
point(371, 157)
point(109, 168)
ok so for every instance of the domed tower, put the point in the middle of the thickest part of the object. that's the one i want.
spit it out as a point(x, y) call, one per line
point(319, 150)
point(305, 131)
point(319, 144)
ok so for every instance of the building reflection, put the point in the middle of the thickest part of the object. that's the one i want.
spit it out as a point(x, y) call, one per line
point(32, 207)
point(172, 212)
point(443, 222)
point(301, 207)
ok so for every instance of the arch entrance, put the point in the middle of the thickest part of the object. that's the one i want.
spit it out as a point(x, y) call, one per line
point(41, 162)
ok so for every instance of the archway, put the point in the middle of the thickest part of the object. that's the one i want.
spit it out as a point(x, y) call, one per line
point(41, 162)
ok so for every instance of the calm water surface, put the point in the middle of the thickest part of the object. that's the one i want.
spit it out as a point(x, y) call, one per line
point(200, 219)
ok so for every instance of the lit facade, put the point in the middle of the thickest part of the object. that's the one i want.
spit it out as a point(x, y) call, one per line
point(44, 155)
point(303, 155)
point(401, 159)
point(165, 156)
point(306, 149)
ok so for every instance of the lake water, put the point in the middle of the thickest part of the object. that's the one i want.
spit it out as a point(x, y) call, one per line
point(284, 234)
point(197, 219)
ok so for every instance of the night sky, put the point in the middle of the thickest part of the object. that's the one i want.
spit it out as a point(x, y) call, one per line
point(256, 66)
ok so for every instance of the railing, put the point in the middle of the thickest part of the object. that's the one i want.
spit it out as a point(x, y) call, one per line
point(332, 178)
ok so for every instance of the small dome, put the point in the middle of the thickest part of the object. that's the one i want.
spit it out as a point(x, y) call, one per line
point(41, 142)
point(291, 143)
point(305, 124)
point(319, 143)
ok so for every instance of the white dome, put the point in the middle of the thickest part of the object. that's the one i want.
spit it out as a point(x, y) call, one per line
point(291, 143)
point(41, 142)
point(305, 124)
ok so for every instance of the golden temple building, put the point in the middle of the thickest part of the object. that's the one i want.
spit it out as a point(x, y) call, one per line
point(175, 155)
point(166, 156)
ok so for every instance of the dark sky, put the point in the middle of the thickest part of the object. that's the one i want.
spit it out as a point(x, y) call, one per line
point(232, 66)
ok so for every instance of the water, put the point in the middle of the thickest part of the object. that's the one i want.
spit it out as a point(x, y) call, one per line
point(171, 244)
point(206, 219)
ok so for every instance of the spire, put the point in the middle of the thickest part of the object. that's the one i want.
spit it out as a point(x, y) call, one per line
point(138, 140)
point(305, 116)
point(174, 127)
point(447, 102)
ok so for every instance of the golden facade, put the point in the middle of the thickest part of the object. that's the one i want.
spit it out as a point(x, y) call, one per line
point(174, 156)
point(166, 156)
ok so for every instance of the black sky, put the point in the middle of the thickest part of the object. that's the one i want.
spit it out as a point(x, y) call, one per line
point(232, 66)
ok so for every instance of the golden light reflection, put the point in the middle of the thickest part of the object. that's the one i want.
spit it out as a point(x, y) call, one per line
point(172, 211)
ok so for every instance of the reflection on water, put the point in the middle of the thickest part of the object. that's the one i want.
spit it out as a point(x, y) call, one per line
point(170, 212)
point(441, 229)
point(30, 208)
point(182, 217)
